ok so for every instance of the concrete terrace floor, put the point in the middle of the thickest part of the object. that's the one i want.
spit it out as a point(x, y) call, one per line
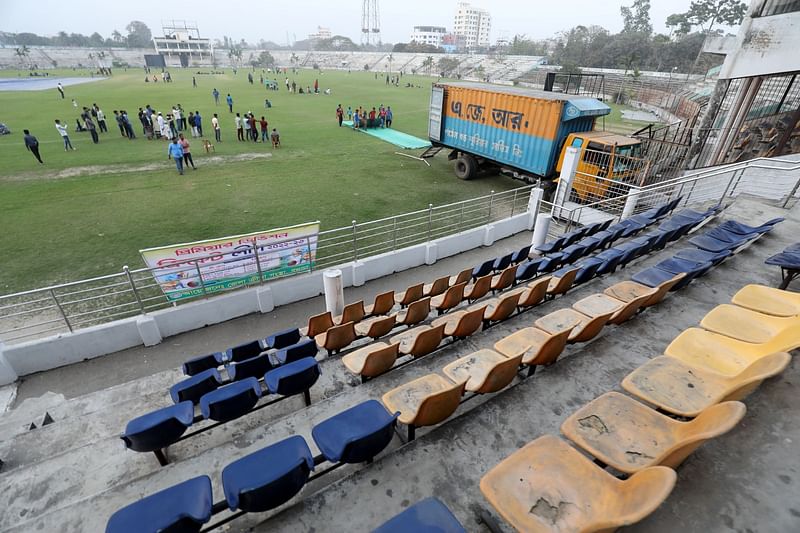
point(71, 475)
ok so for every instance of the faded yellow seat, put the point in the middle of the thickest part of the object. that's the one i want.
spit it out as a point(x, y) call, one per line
point(558, 321)
point(537, 347)
point(450, 299)
point(717, 353)
point(318, 324)
point(505, 279)
point(768, 300)
point(629, 436)
point(479, 288)
point(674, 386)
point(337, 337)
point(376, 326)
point(437, 287)
point(750, 326)
point(419, 341)
point(549, 486)
point(534, 293)
point(632, 295)
point(500, 308)
point(416, 312)
point(462, 277)
point(485, 371)
point(372, 360)
point(411, 294)
point(629, 290)
point(353, 312)
point(461, 324)
point(563, 284)
point(426, 401)
point(382, 305)
point(582, 328)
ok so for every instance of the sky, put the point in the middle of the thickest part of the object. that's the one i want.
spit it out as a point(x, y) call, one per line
point(283, 21)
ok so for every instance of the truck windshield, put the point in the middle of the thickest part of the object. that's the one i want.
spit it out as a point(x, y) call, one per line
point(631, 150)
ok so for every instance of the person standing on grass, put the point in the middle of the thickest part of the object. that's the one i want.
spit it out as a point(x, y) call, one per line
point(198, 121)
point(253, 128)
point(229, 101)
point(215, 125)
point(127, 123)
point(356, 120)
point(60, 89)
point(64, 135)
point(101, 119)
point(183, 117)
point(32, 145)
point(246, 125)
point(215, 94)
point(92, 129)
point(237, 120)
point(187, 155)
point(120, 125)
point(194, 82)
point(192, 124)
point(264, 129)
point(389, 116)
point(176, 113)
point(339, 114)
point(175, 152)
point(275, 136)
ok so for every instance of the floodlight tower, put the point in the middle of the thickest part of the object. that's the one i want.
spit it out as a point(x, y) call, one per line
point(370, 23)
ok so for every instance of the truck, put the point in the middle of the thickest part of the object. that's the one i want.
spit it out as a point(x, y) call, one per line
point(524, 133)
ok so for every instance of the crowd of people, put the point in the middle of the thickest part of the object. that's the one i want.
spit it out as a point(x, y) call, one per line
point(382, 117)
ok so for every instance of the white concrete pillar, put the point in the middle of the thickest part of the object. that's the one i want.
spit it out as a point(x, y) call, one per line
point(630, 202)
point(359, 274)
point(334, 291)
point(568, 169)
point(540, 230)
point(535, 199)
point(7, 373)
point(488, 235)
point(431, 253)
point(266, 303)
point(148, 330)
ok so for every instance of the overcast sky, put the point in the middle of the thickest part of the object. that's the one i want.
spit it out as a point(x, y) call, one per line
point(273, 19)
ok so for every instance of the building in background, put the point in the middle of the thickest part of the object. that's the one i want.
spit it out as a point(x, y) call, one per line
point(321, 35)
point(452, 43)
point(182, 39)
point(431, 35)
point(473, 24)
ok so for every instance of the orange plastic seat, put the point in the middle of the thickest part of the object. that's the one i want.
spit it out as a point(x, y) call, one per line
point(372, 360)
point(582, 328)
point(534, 293)
point(337, 337)
point(676, 387)
point(382, 305)
point(637, 299)
point(426, 401)
point(498, 309)
point(318, 324)
point(376, 326)
point(661, 289)
point(504, 280)
point(537, 347)
point(417, 312)
point(353, 312)
point(411, 294)
point(768, 300)
point(479, 289)
point(450, 299)
point(562, 284)
point(437, 287)
point(462, 277)
point(461, 324)
point(558, 321)
point(783, 333)
point(419, 341)
point(717, 353)
point(548, 486)
point(485, 371)
point(629, 436)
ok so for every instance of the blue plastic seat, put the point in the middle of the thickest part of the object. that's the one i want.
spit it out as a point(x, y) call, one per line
point(702, 256)
point(306, 348)
point(661, 238)
point(793, 248)
point(671, 205)
point(632, 227)
point(255, 367)
point(590, 243)
point(724, 235)
point(633, 249)
point(483, 269)
point(679, 227)
point(282, 339)
point(527, 270)
point(737, 227)
point(789, 263)
point(293, 378)
point(357, 434)
point(551, 246)
point(521, 255)
point(572, 253)
point(653, 277)
point(231, 401)
point(551, 262)
point(204, 362)
point(193, 388)
point(606, 237)
point(588, 269)
point(157, 430)
point(693, 270)
point(268, 478)
point(501, 263)
point(591, 229)
point(182, 507)
point(710, 244)
point(572, 237)
point(696, 216)
point(244, 351)
point(611, 259)
point(426, 516)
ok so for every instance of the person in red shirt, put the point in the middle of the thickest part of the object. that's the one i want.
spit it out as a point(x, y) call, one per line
point(340, 114)
point(187, 155)
point(253, 130)
point(264, 132)
point(371, 122)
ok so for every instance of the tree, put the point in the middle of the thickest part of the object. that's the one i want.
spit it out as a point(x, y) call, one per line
point(636, 17)
point(265, 59)
point(448, 65)
point(522, 46)
point(235, 55)
point(96, 39)
point(705, 14)
point(116, 36)
point(428, 64)
point(139, 35)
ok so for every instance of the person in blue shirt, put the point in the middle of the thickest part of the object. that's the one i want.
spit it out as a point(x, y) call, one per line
point(198, 123)
point(175, 151)
point(389, 117)
point(215, 94)
point(229, 100)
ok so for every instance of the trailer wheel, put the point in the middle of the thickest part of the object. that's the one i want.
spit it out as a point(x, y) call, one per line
point(466, 167)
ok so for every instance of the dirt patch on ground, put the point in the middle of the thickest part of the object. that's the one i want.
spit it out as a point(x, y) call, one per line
point(94, 170)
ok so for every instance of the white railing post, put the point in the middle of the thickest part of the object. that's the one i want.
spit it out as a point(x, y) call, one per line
point(534, 203)
point(540, 230)
point(334, 291)
point(630, 202)
point(568, 169)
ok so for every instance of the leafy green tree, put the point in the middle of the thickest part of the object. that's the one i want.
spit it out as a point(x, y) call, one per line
point(139, 35)
point(705, 14)
point(636, 17)
point(264, 59)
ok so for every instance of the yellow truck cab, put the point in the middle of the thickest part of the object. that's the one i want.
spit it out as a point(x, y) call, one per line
point(603, 156)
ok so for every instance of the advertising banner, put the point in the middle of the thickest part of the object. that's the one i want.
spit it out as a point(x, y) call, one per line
point(205, 267)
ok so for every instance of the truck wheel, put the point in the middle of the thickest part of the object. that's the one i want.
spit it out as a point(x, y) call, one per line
point(466, 167)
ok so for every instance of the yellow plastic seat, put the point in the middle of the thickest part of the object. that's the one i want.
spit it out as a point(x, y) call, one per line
point(505, 279)
point(353, 312)
point(485, 371)
point(685, 390)
point(411, 294)
point(417, 312)
point(534, 293)
point(583, 328)
point(376, 326)
point(450, 299)
point(558, 321)
point(462, 277)
point(548, 486)
point(461, 324)
point(337, 337)
point(750, 326)
point(563, 284)
point(382, 305)
point(419, 341)
point(628, 290)
point(631, 306)
point(318, 324)
point(768, 300)
point(372, 360)
point(629, 436)
point(537, 347)
point(437, 287)
point(479, 289)
point(498, 309)
point(426, 401)
point(716, 353)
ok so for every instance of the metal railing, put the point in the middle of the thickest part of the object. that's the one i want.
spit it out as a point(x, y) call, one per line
point(68, 307)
